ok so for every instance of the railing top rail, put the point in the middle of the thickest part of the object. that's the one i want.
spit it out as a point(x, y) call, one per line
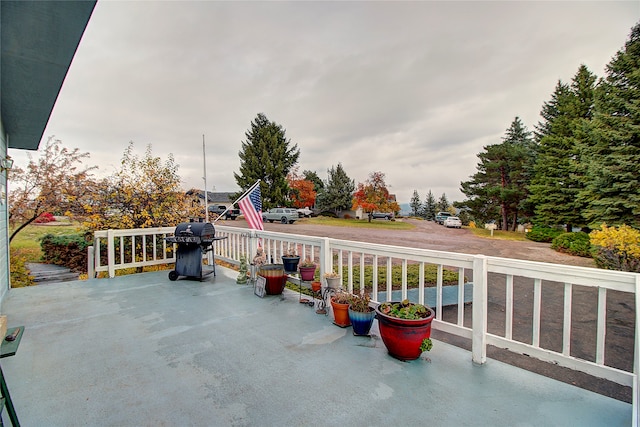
point(616, 280)
point(135, 231)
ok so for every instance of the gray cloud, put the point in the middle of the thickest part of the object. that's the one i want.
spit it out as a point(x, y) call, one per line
point(412, 89)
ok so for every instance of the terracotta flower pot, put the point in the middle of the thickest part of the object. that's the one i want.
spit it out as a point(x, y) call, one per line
point(340, 314)
point(316, 286)
point(403, 337)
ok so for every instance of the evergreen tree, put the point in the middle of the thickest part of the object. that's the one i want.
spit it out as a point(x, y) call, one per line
point(443, 204)
point(267, 155)
point(415, 203)
point(338, 191)
point(429, 208)
point(557, 178)
point(612, 193)
point(504, 172)
point(313, 177)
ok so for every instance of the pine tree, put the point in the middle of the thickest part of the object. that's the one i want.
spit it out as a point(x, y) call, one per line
point(557, 178)
point(429, 208)
point(443, 203)
point(504, 172)
point(267, 155)
point(338, 191)
point(313, 177)
point(415, 203)
point(612, 193)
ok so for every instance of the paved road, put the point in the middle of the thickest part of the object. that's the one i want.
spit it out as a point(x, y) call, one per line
point(429, 235)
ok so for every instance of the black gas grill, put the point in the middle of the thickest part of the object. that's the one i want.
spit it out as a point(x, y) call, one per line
point(193, 239)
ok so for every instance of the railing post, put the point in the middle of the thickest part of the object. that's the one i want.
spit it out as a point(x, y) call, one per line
point(91, 263)
point(635, 399)
point(111, 254)
point(325, 257)
point(479, 310)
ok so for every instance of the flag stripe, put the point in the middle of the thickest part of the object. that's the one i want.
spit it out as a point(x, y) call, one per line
point(251, 207)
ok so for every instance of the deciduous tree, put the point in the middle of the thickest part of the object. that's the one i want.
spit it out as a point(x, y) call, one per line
point(144, 193)
point(373, 195)
point(56, 182)
point(302, 192)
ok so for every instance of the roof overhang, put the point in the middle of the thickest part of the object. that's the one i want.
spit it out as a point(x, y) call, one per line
point(38, 41)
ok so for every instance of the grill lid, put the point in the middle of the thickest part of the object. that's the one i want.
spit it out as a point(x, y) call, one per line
point(193, 232)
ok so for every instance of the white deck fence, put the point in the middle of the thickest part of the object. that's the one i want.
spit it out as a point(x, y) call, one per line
point(534, 294)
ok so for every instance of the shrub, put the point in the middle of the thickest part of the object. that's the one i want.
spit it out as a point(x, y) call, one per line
point(577, 244)
point(347, 216)
point(543, 234)
point(616, 248)
point(66, 250)
point(329, 214)
point(44, 218)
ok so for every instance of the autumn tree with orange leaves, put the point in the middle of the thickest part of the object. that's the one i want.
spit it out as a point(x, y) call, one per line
point(373, 196)
point(302, 192)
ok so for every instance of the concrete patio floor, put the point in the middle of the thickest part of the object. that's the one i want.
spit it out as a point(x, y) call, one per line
point(140, 350)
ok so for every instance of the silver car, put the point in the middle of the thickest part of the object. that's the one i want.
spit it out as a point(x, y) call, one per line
point(452, 221)
point(284, 215)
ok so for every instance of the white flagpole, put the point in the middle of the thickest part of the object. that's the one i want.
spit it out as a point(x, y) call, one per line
point(206, 197)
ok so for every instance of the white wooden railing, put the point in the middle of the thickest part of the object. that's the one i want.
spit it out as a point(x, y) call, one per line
point(492, 278)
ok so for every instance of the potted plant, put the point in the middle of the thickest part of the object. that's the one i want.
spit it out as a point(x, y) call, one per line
point(316, 286)
point(290, 261)
point(333, 280)
point(361, 315)
point(405, 328)
point(340, 304)
point(307, 269)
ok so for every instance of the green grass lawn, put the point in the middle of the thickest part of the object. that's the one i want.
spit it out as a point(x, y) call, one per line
point(359, 223)
point(498, 234)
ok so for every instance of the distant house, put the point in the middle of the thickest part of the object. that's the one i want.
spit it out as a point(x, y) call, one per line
point(39, 39)
point(213, 198)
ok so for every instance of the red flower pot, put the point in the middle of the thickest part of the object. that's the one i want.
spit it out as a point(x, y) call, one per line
point(275, 278)
point(403, 337)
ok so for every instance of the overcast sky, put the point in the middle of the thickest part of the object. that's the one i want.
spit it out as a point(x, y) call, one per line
point(412, 89)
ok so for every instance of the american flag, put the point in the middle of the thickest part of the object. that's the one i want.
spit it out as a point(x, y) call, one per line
point(251, 207)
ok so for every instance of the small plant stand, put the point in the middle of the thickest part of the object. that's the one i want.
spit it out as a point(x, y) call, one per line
point(309, 302)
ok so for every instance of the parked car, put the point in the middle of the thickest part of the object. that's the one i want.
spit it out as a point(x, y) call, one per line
point(441, 216)
point(452, 221)
point(284, 215)
point(382, 215)
point(219, 209)
point(306, 212)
